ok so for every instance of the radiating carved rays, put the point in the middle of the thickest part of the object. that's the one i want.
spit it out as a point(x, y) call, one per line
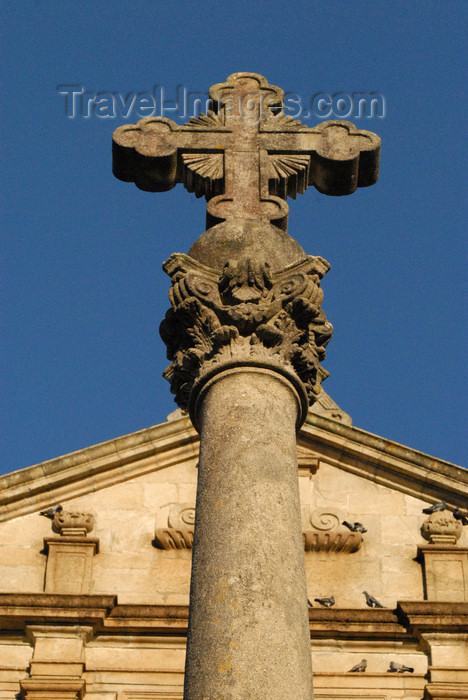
point(288, 175)
point(203, 173)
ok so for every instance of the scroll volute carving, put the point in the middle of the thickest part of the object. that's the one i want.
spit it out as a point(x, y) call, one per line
point(328, 535)
point(179, 531)
point(441, 528)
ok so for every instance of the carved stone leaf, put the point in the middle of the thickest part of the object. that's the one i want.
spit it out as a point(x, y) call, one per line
point(199, 322)
point(288, 175)
point(204, 289)
point(203, 173)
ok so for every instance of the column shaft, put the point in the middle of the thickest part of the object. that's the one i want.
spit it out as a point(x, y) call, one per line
point(248, 629)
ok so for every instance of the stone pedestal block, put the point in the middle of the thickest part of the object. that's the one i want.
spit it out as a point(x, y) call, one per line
point(69, 564)
point(445, 572)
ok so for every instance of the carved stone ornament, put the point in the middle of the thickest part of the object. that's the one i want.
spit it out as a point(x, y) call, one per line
point(179, 532)
point(245, 155)
point(441, 528)
point(248, 315)
point(328, 536)
point(72, 524)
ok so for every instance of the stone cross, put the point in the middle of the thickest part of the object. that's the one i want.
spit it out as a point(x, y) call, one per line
point(246, 157)
point(245, 335)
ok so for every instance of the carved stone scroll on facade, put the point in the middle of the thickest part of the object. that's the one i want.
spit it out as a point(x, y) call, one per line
point(247, 315)
point(327, 534)
point(179, 531)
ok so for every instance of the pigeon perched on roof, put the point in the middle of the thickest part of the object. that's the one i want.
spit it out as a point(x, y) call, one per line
point(354, 527)
point(50, 512)
point(441, 505)
point(399, 668)
point(458, 515)
point(359, 668)
point(371, 601)
point(326, 602)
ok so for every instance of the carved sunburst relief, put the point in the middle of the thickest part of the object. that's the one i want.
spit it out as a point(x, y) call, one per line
point(203, 173)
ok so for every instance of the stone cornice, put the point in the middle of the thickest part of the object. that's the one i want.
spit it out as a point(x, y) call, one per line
point(385, 462)
point(364, 623)
point(438, 616)
point(20, 609)
point(103, 613)
point(349, 448)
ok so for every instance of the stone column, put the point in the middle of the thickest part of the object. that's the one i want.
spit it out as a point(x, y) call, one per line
point(245, 342)
point(248, 630)
point(247, 297)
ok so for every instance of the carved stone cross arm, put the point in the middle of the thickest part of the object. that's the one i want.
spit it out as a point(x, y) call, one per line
point(245, 156)
point(338, 157)
point(156, 154)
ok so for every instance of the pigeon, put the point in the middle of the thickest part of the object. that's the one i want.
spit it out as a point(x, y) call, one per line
point(50, 512)
point(437, 506)
point(309, 603)
point(326, 602)
point(399, 668)
point(354, 527)
point(359, 668)
point(371, 601)
point(458, 515)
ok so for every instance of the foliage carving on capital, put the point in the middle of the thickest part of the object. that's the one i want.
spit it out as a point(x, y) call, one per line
point(248, 314)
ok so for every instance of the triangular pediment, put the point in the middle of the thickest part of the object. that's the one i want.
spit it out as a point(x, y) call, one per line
point(327, 436)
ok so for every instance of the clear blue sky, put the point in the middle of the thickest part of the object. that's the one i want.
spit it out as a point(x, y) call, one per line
point(82, 285)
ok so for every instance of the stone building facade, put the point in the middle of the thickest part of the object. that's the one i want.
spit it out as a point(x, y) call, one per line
point(94, 601)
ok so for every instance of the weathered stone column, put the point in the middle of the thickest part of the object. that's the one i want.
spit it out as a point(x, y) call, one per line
point(249, 628)
point(245, 342)
point(245, 335)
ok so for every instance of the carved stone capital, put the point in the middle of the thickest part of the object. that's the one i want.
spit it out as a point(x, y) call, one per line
point(249, 315)
point(441, 528)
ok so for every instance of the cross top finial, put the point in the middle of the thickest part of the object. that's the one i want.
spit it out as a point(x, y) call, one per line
point(244, 93)
point(246, 156)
